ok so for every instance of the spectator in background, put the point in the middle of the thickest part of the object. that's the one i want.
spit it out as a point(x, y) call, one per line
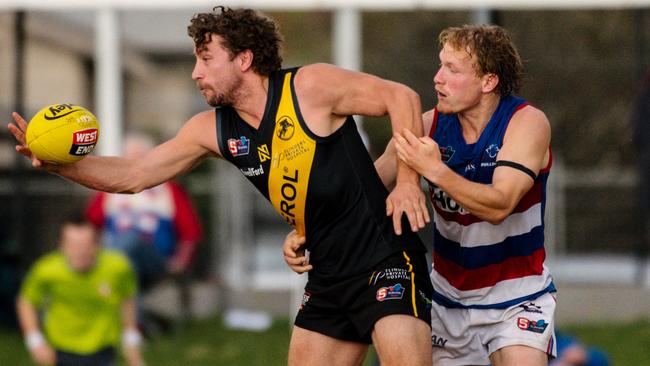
point(87, 295)
point(571, 352)
point(157, 228)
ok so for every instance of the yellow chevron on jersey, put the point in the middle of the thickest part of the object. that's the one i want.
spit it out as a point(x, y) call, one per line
point(293, 154)
point(263, 153)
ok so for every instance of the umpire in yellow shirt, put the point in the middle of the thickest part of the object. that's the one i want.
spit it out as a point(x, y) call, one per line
point(86, 294)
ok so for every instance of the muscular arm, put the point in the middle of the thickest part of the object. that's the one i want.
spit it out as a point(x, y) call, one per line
point(526, 142)
point(386, 164)
point(332, 93)
point(327, 94)
point(194, 142)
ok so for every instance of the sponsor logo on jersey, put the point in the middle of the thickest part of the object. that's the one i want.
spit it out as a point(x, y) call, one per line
point(239, 147)
point(390, 274)
point(469, 167)
point(390, 293)
point(290, 153)
point(263, 153)
point(252, 172)
point(537, 326)
point(492, 150)
point(446, 153)
point(444, 202)
point(295, 150)
point(530, 307)
point(287, 128)
point(289, 192)
point(438, 341)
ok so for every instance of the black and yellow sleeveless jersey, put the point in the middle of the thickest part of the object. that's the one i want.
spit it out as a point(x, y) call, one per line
point(325, 187)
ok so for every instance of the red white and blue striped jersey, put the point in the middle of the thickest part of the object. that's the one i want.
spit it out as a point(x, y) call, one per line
point(477, 264)
point(162, 216)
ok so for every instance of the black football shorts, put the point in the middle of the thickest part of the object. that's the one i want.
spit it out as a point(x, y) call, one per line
point(348, 309)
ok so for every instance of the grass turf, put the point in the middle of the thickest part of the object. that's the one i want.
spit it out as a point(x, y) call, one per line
point(209, 343)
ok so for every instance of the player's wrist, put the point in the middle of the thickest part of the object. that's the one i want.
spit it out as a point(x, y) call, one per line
point(406, 174)
point(34, 339)
point(434, 172)
point(131, 337)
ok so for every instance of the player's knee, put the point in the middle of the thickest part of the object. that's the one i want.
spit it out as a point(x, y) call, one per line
point(403, 340)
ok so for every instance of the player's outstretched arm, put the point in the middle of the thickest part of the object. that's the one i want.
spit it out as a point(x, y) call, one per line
point(332, 92)
point(195, 141)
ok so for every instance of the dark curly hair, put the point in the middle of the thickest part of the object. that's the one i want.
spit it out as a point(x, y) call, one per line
point(494, 50)
point(241, 29)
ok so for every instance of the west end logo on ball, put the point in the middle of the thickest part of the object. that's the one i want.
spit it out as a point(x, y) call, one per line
point(59, 110)
point(83, 142)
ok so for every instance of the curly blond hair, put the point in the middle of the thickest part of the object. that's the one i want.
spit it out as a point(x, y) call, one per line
point(493, 50)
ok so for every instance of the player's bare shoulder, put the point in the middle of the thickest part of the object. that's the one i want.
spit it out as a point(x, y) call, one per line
point(316, 82)
point(201, 130)
point(529, 133)
point(311, 75)
point(532, 122)
point(531, 116)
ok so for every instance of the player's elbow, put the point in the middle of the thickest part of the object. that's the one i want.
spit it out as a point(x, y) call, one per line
point(402, 93)
point(409, 94)
point(135, 187)
point(497, 216)
point(132, 190)
point(138, 176)
point(131, 184)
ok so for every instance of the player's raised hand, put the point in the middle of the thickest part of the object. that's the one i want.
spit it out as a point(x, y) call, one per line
point(18, 130)
point(294, 255)
point(421, 154)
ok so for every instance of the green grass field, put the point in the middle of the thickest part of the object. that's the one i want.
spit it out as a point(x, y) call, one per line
point(208, 343)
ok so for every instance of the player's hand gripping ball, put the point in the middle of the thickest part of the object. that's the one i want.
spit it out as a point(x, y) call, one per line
point(62, 133)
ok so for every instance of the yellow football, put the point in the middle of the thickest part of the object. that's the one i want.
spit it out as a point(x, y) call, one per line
point(62, 133)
